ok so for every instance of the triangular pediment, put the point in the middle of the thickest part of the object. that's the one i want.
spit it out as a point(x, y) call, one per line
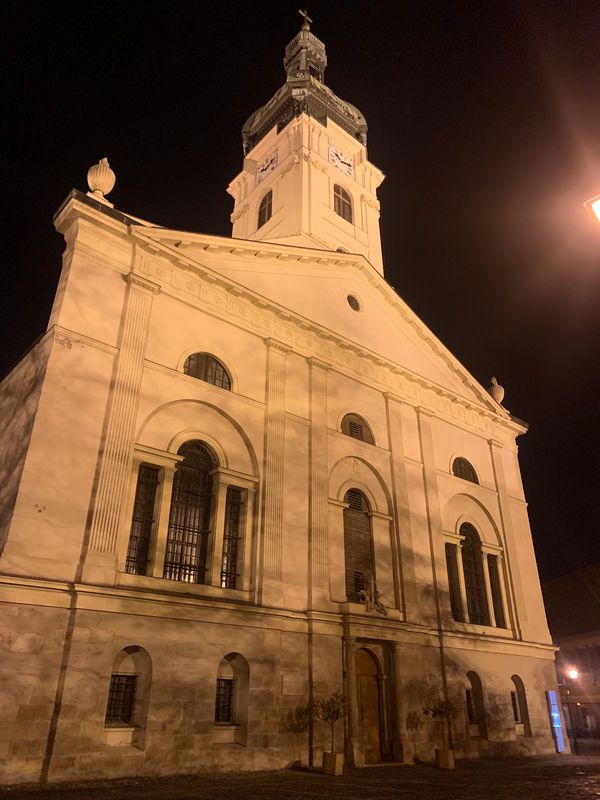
point(315, 285)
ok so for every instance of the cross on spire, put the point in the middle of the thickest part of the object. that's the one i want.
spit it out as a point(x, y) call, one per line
point(307, 19)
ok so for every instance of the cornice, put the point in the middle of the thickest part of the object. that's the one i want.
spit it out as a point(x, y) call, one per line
point(227, 299)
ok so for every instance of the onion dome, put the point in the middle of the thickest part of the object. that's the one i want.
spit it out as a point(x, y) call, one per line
point(304, 92)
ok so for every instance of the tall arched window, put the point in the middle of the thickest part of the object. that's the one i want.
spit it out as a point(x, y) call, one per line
point(231, 698)
point(342, 202)
point(474, 580)
point(128, 697)
point(519, 706)
point(189, 520)
point(464, 469)
point(358, 546)
point(265, 209)
point(207, 368)
point(475, 704)
point(355, 426)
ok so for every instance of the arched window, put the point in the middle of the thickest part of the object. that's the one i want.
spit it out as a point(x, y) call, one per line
point(464, 469)
point(475, 705)
point(456, 605)
point(189, 520)
point(142, 521)
point(231, 698)
point(355, 426)
point(207, 368)
point(128, 696)
point(519, 707)
point(342, 202)
point(265, 209)
point(474, 580)
point(358, 546)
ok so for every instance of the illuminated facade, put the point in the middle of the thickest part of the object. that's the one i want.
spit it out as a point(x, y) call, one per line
point(239, 475)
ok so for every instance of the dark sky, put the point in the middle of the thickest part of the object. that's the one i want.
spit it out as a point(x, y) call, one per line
point(485, 118)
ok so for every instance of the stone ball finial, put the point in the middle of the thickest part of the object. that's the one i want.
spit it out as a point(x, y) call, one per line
point(496, 391)
point(101, 179)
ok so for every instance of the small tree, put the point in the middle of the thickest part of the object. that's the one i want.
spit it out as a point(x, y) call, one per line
point(330, 710)
point(444, 711)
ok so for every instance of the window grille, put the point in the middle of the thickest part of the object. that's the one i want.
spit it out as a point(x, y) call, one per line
point(465, 470)
point(471, 716)
point(231, 538)
point(121, 700)
point(136, 562)
point(189, 520)
point(496, 591)
point(224, 700)
point(474, 580)
point(207, 368)
point(265, 210)
point(358, 545)
point(453, 583)
point(515, 707)
point(357, 428)
point(342, 203)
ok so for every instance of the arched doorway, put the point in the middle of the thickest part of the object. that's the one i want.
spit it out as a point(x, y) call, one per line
point(369, 706)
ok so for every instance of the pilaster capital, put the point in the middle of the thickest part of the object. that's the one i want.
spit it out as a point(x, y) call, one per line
point(275, 344)
point(393, 398)
point(141, 283)
point(317, 363)
point(159, 458)
point(423, 413)
point(496, 443)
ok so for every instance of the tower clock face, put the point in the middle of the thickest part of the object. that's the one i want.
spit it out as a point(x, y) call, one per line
point(340, 160)
point(266, 166)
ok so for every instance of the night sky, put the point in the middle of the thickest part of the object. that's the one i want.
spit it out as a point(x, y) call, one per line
point(485, 118)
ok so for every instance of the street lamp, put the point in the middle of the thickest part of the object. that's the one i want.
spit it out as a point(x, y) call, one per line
point(573, 672)
point(594, 207)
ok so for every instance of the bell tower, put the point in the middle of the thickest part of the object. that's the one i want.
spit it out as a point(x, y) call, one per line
point(306, 178)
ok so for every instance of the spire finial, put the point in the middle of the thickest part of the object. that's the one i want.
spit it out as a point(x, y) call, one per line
point(307, 20)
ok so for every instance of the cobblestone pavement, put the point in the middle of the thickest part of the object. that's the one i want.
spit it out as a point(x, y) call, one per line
point(548, 778)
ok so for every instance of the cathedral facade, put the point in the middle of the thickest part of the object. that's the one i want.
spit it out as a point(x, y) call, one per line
point(239, 475)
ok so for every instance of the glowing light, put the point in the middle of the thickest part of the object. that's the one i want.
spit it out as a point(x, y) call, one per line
point(594, 206)
point(573, 673)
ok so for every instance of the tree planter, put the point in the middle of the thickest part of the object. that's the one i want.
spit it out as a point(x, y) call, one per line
point(444, 759)
point(333, 763)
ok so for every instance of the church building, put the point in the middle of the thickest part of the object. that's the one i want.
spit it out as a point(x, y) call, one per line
point(239, 476)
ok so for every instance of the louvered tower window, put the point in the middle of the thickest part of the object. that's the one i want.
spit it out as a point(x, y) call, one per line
point(189, 520)
point(358, 545)
point(464, 469)
point(231, 538)
point(136, 562)
point(207, 368)
point(473, 571)
point(355, 426)
point(265, 210)
point(342, 202)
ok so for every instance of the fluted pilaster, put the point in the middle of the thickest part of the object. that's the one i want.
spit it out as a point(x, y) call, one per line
point(274, 459)
point(318, 513)
point(116, 455)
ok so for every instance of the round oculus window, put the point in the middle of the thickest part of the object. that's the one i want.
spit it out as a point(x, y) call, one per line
point(353, 302)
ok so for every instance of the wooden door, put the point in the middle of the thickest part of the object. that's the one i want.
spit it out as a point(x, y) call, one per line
point(368, 700)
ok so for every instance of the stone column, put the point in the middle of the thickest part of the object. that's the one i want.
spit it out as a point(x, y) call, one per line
point(159, 544)
point(214, 556)
point(461, 581)
point(515, 608)
point(402, 749)
point(318, 510)
point(273, 472)
point(116, 455)
point(403, 550)
point(353, 757)
point(488, 588)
